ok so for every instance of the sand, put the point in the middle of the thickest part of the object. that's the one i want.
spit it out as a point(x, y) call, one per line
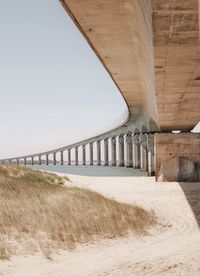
point(172, 248)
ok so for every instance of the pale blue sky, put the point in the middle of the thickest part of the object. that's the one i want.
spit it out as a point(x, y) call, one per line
point(54, 91)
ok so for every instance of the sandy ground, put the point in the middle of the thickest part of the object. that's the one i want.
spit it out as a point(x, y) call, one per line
point(172, 248)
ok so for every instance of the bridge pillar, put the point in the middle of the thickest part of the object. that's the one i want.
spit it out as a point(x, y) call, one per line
point(113, 151)
point(177, 157)
point(83, 155)
point(17, 161)
point(25, 161)
point(40, 162)
point(98, 153)
point(143, 152)
point(136, 150)
point(121, 151)
point(61, 158)
point(69, 157)
point(150, 150)
point(76, 156)
point(54, 158)
point(91, 154)
point(106, 152)
point(47, 159)
point(32, 160)
point(129, 150)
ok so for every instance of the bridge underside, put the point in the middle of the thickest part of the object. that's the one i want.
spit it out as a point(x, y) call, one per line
point(151, 50)
point(177, 64)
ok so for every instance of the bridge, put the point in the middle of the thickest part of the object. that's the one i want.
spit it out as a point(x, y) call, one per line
point(150, 49)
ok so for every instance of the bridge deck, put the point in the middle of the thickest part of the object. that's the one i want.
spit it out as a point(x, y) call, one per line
point(121, 34)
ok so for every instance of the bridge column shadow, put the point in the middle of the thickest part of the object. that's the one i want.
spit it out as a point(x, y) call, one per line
point(192, 194)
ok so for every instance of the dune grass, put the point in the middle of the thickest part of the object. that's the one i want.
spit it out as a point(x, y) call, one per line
point(39, 213)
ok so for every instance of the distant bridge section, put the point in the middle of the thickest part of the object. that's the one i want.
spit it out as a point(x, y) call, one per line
point(116, 148)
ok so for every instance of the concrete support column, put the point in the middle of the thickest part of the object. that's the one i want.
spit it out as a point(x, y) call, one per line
point(61, 158)
point(54, 158)
point(129, 150)
point(106, 152)
point(121, 151)
point(177, 157)
point(10, 161)
point(150, 153)
point(25, 161)
point(16, 160)
point(136, 151)
point(76, 156)
point(69, 156)
point(47, 159)
point(91, 154)
point(113, 151)
point(83, 155)
point(98, 153)
point(40, 162)
point(143, 152)
point(32, 160)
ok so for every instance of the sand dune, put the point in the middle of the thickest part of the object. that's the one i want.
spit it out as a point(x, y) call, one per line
point(172, 248)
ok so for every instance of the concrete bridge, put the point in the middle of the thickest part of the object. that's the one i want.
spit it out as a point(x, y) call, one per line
point(151, 51)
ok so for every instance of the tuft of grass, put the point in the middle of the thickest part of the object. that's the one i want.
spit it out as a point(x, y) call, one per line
point(39, 213)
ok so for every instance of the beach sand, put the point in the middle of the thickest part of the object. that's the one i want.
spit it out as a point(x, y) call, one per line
point(171, 248)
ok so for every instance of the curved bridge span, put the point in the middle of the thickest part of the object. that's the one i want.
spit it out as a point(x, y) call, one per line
point(114, 149)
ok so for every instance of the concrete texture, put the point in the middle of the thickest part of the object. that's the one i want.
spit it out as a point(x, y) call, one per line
point(120, 33)
point(177, 157)
point(177, 67)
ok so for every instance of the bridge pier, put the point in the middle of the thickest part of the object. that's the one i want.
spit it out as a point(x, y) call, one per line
point(25, 161)
point(113, 151)
point(91, 153)
point(54, 158)
point(32, 160)
point(177, 157)
point(143, 152)
point(121, 150)
point(61, 158)
point(83, 155)
point(150, 153)
point(69, 157)
point(106, 152)
point(136, 150)
point(47, 159)
point(129, 150)
point(40, 162)
point(76, 156)
point(98, 153)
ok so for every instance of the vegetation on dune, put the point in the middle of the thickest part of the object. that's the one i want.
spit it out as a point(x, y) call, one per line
point(39, 213)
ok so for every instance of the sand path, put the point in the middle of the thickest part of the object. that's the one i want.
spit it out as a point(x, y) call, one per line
point(172, 248)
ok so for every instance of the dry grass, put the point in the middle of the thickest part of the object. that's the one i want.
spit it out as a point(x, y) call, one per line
point(38, 213)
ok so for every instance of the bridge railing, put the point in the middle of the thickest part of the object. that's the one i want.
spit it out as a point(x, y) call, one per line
point(134, 150)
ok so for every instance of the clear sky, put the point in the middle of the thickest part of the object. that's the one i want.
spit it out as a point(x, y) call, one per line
point(54, 91)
